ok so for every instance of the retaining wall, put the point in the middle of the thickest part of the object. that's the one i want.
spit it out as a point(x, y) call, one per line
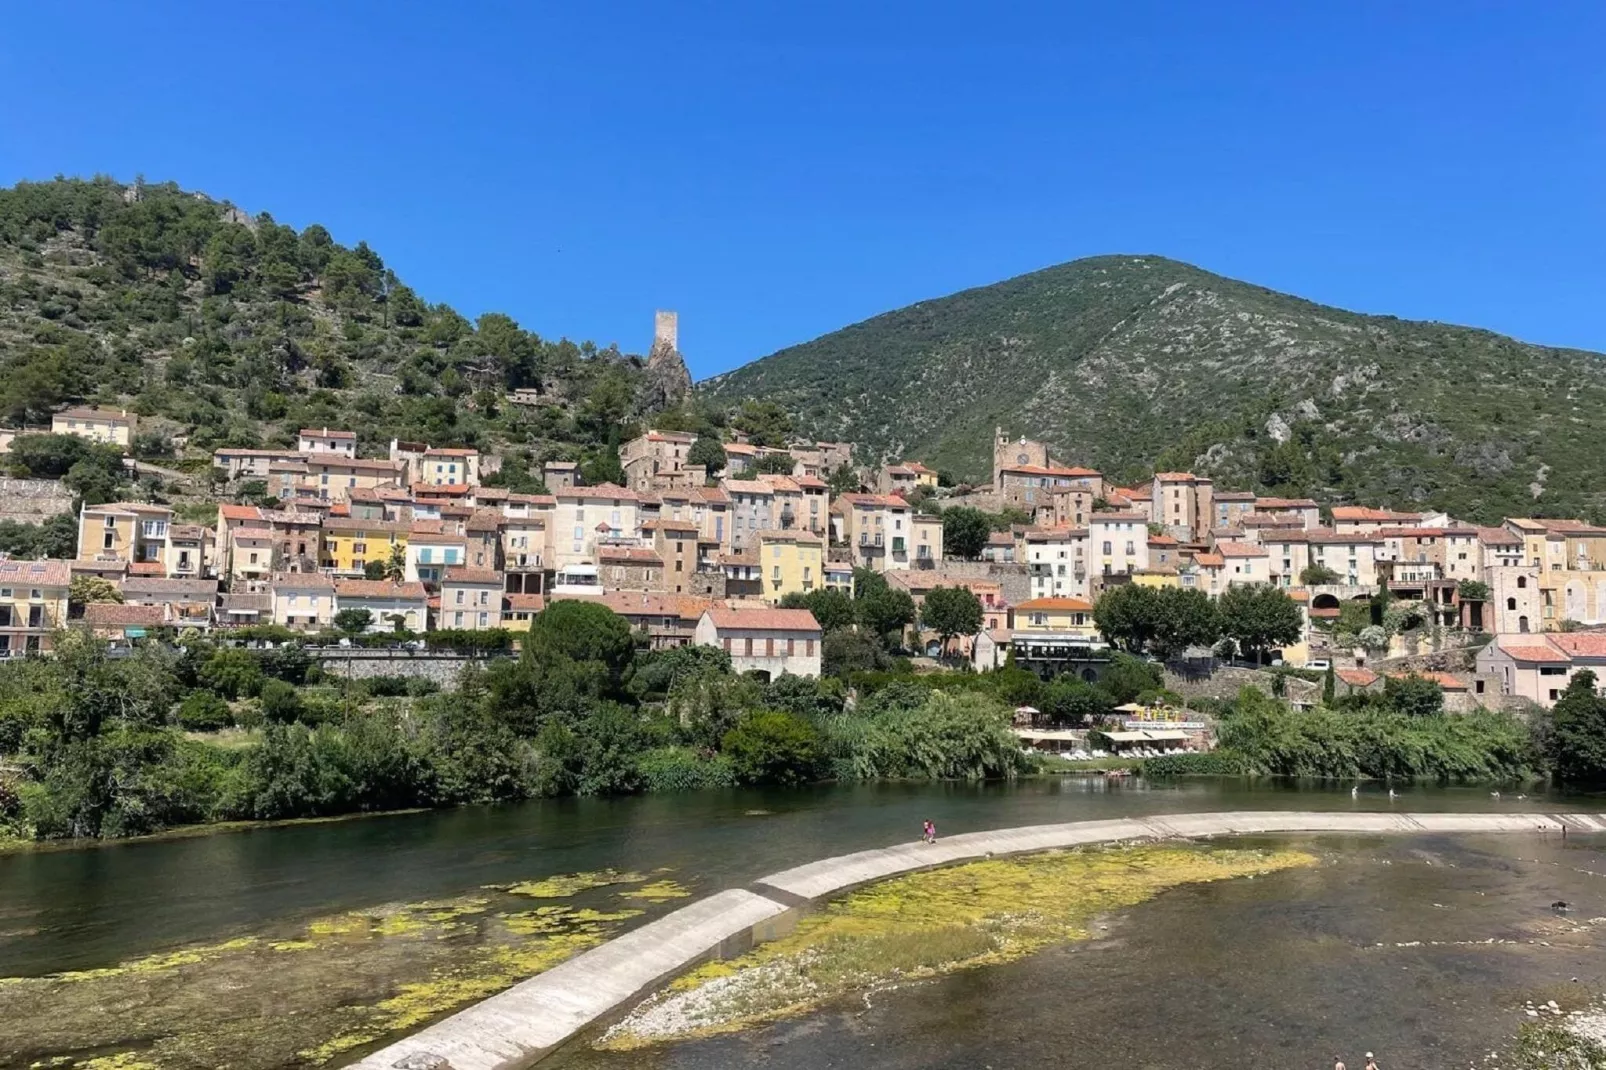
point(515, 1028)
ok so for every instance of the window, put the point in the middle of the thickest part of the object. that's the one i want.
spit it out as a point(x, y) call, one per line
point(110, 540)
point(483, 619)
point(769, 647)
point(749, 646)
point(459, 600)
point(808, 648)
point(1552, 670)
point(1511, 604)
point(458, 618)
point(111, 522)
point(1107, 546)
point(1522, 581)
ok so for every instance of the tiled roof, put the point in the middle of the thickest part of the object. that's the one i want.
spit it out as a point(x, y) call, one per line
point(147, 587)
point(1498, 537)
point(464, 574)
point(1209, 560)
point(1174, 477)
point(776, 620)
point(147, 568)
point(635, 555)
point(378, 589)
point(1051, 605)
point(1240, 549)
point(112, 615)
point(46, 573)
point(315, 432)
point(1285, 503)
point(451, 452)
point(1362, 512)
point(533, 603)
point(97, 414)
point(791, 535)
point(1118, 518)
point(1050, 470)
point(609, 491)
point(303, 581)
point(1536, 652)
point(1043, 535)
point(1580, 644)
point(358, 524)
point(1443, 679)
point(1357, 677)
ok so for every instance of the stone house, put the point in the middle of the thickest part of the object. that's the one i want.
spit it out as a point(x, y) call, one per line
point(771, 642)
point(630, 568)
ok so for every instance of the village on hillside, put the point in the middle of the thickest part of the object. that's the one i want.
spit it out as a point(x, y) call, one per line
point(706, 553)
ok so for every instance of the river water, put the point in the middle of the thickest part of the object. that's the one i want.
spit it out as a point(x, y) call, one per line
point(1273, 971)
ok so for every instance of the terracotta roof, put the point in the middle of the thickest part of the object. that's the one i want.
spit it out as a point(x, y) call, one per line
point(1240, 549)
point(336, 460)
point(1443, 679)
point(358, 524)
point(303, 581)
point(1498, 537)
point(112, 615)
point(453, 451)
point(1162, 540)
point(1580, 644)
point(1209, 560)
point(97, 414)
point(601, 490)
point(464, 574)
point(748, 556)
point(314, 432)
point(666, 523)
point(740, 447)
point(1174, 477)
point(1362, 512)
point(448, 489)
point(1536, 653)
point(378, 589)
point(147, 568)
point(1285, 503)
point(532, 499)
point(746, 486)
point(874, 500)
point(46, 573)
point(128, 507)
point(670, 436)
point(485, 520)
point(1235, 496)
point(687, 608)
point(1049, 470)
point(533, 603)
point(152, 586)
point(226, 451)
point(1328, 535)
point(1063, 605)
point(777, 620)
point(1357, 677)
point(636, 555)
point(1113, 517)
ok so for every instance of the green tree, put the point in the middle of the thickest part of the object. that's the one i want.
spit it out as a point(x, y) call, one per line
point(1575, 743)
point(1259, 618)
point(1472, 591)
point(709, 452)
point(950, 612)
point(1317, 575)
point(1128, 616)
point(885, 613)
point(351, 620)
point(965, 532)
point(203, 711)
point(779, 464)
point(87, 589)
point(581, 632)
point(373, 570)
point(232, 673)
point(1413, 695)
point(832, 609)
point(773, 747)
point(1184, 618)
point(845, 652)
point(281, 702)
point(765, 423)
point(1130, 678)
point(1329, 686)
point(395, 568)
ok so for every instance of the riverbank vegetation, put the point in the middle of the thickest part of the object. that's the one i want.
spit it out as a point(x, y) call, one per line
point(103, 746)
point(926, 924)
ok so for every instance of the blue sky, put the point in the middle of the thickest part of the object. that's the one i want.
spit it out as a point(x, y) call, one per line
point(777, 171)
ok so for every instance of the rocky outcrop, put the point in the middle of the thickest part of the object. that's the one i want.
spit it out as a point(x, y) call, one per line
point(668, 379)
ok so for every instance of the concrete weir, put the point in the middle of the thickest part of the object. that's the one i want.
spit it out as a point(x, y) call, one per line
point(516, 1028)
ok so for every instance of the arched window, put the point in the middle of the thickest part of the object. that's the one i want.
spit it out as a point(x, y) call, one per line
point(1522, 624)
point(1522, 581)
point(1511, 604)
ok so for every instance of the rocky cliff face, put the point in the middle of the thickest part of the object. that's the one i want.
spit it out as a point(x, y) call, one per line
point(668, 381)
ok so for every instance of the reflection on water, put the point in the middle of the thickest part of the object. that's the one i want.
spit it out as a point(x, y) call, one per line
point(1422, 950)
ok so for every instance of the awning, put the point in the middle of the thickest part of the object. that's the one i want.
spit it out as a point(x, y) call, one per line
point(1148, 735)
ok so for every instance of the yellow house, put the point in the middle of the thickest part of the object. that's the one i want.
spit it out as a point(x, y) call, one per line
point(1164, 576)
point(108, 427)
point(924, 477)
point(33, 604)
point(792, 560)
point(124, 531)
point(1062, 616)
point(349, 543)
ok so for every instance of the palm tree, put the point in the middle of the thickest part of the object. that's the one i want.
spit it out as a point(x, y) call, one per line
point(396, 566)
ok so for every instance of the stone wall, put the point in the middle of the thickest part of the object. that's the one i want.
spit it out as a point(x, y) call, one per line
point(1225, 681)
point(442, 668)
point(31, 500)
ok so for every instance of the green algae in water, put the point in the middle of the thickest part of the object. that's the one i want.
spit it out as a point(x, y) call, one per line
point(925, 924)
point(659, 891)
point(565, 885)
point(291, 999)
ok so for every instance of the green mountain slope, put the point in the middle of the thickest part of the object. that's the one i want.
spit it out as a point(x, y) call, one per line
point(1137, 363)
point(234, 330)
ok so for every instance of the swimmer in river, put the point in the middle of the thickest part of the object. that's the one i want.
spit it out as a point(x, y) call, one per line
point(1354, 793)
point(1371, 1063)
point(1338, 1064)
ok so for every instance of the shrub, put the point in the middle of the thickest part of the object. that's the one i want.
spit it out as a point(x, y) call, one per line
point(683, 769)
point(773, 747)
point(281, 703)
point(232, 673)
point(204, 711)
point(1211, 763)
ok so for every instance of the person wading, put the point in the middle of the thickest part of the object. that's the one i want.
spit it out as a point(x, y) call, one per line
point(1371, 1063)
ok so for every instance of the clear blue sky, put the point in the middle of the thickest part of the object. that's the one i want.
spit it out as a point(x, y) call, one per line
point(777, 171)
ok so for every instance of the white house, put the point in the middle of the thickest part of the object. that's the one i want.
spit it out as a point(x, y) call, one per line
point(771, 641)
point(385, 600)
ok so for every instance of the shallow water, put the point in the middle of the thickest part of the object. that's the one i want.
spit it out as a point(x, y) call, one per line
point(1384, 947)
point(94, 907)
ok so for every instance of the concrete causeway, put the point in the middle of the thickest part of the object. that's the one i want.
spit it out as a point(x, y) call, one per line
point(516, 1028)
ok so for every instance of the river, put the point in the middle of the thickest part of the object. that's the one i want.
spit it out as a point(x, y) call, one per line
point(86, 908)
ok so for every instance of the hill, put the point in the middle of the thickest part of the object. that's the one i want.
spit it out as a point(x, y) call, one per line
point(225, 329)
point(1133, 364)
